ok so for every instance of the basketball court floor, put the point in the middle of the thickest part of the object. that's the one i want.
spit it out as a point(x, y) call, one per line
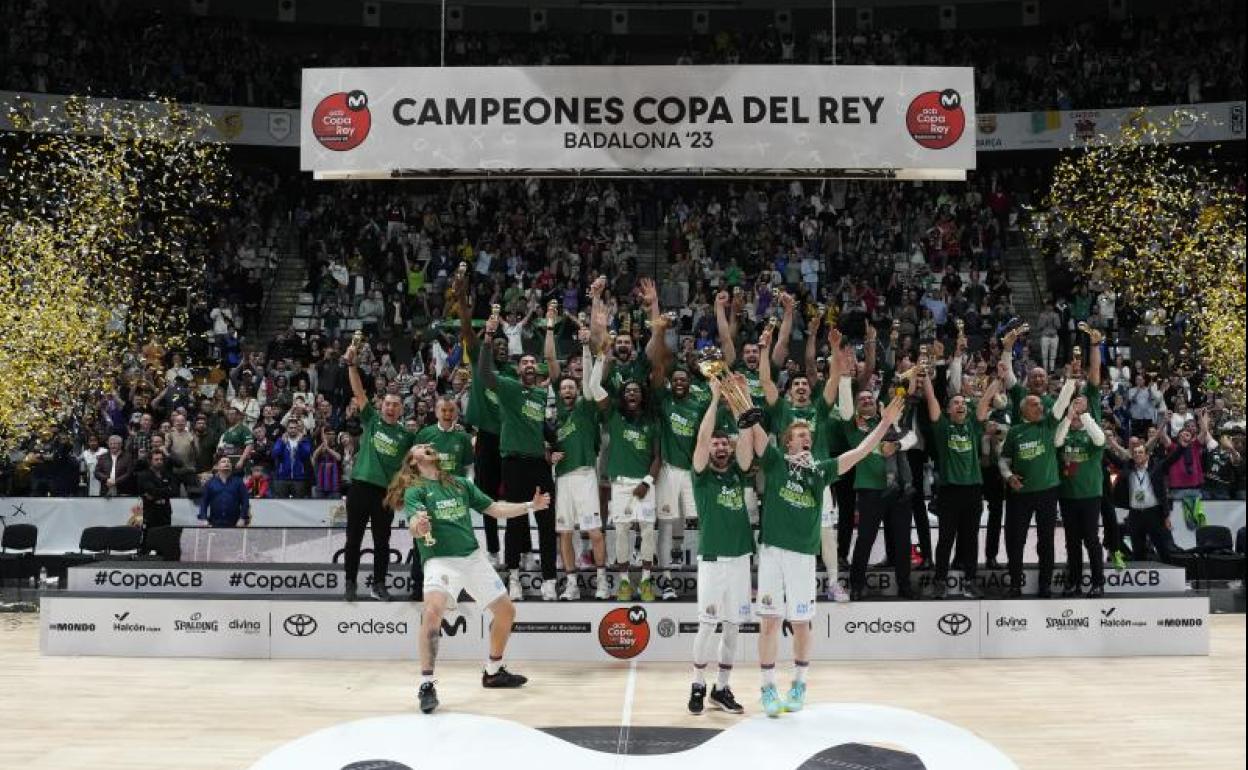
point(134, 714)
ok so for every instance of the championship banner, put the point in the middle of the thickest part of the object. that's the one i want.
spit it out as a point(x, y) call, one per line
point(1064, 130)
point(229, 125)
point(899, 122)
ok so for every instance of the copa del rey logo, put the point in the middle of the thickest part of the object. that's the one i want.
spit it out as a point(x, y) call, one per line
point(341, 121)
point(935, 119)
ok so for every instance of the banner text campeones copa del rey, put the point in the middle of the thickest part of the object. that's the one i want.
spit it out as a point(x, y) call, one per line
point(665, 111)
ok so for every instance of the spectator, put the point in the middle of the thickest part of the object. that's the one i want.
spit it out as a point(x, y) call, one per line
point(292, 456)
point(225, 501)
point(114, 469)
point(89, 458)
point(156, 486)
point(327, 462)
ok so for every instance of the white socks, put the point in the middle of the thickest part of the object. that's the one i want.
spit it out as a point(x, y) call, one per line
point(799, 670)
point(492, 666)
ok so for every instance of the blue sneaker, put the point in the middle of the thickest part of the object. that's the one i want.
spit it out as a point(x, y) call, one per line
point(796, 697)
point(772, 705)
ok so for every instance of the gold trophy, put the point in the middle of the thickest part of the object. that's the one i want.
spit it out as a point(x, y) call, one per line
point(711, 364)
point(496, 312)
point(1076, 359)
point(552, 306)
point(428, 537)
point(958, 322)
point(462, 270)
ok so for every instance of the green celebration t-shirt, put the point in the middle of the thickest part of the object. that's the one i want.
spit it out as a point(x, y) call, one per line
point(382, 448)
point(678, 428)
point(723, 522)
point(448, 505)
point(632, 445)
point(1029, 445)
point(1080, 472)
point(869, 472)
point(522, 416)
point(454, 447)
point(578, 435)
point(783, 413)
point(482, 410)
point(957, 450)
point(637, 370)
point(793, 501)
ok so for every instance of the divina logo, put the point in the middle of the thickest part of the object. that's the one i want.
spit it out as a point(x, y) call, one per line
point(196, 625)
point(1008, 623)
point(880, 626)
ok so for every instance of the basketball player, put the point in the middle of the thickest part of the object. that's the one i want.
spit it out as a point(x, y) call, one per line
point(437, 506)
point(631, 466)
point(576, 476)
point(724, 548)
point(1082, 445)
point(792, 495)
point(817, 414)
point(383, 445)
point(680, 413)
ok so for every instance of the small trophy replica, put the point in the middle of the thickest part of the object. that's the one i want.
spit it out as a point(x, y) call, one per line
point(958, 322)
point(428, 537)
point(711, 364)
point(462, 270)
point(552, 307)
point(496, 312)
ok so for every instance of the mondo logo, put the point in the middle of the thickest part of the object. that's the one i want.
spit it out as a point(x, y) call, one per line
point(342, 121)
point(935, 119)
point(624, 632)
point(299, 625)
point(954, 624)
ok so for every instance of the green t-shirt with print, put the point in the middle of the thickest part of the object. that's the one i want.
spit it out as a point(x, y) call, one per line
point(723, 522)
point(448, 504)
point(522, 417)
point(454, 447)
point(1029, 445)
point(956, 448)
point(382, 448)
point(578, 435)
point(793, 502)
point(632, 445)
point(1081, 472)
point(678, 427)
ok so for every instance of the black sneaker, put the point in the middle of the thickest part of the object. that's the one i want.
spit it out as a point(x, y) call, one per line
point(503, 679)
point(428, 698)
point(696, 696)
point(992, 563)
point(723, 699)
point(350, 591)
point(379, 592)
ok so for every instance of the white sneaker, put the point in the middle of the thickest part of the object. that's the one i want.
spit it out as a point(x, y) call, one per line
point(550, 591)
point(603, 593)
point(839, 594)
point(571, 592)
point(668, 593)
point(514, 590)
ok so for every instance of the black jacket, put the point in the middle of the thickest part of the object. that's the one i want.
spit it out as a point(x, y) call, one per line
point(156, 488)
point(1157, 471)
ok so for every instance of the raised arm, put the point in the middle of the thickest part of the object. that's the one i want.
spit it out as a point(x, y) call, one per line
point(597, 393)
point(702, 449)
point(1095, 337)
point(812, 346)
point(1064, 396)
point(847, 460)
point(781, 350)
point(1063, 427)
point(933, 404)
point(835, 367)
point(868, 359)
point(501, 510)
point(845, 386)
point(770, 392)
point(485, 360)
point(548, 346)
point(983, 407)
point(1007, 355)
point(587, 365)
point(358, 395)
point(1094, 431)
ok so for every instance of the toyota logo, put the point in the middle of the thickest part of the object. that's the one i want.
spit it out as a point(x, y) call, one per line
point(300, 625)
point(954, 624)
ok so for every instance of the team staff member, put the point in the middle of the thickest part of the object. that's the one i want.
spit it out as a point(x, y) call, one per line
point(576, 475)
point(817, 414)
point(1082, 445)
point(1029, 467)
point(792, 495)
point(956, 444)
point(724, 550)
point(525, 467)
point(383, 444)
point(438, 509)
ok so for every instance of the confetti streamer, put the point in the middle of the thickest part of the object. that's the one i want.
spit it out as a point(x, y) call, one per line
point(103, 229)
point(1165, 231)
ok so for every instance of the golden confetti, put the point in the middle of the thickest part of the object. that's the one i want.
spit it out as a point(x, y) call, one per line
point(1164, 230)
point(103, 221)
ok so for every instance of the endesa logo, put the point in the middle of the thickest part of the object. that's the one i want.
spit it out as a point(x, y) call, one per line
point(341, 121)
point(624, 632)
point(935, 119)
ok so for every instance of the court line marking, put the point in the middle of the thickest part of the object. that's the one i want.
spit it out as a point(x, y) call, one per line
point(626, 714)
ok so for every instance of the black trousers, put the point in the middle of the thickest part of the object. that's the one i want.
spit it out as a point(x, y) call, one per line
point(959, 507)
point(894, 512)
point(918, 504)
point(487, 475)
point(1149, 524)
point(366, 509)
point(994, 496)
point(843, 490)
point(1021, 507)
point(1112, 539)
point(1079, 520)
point(522, 477)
